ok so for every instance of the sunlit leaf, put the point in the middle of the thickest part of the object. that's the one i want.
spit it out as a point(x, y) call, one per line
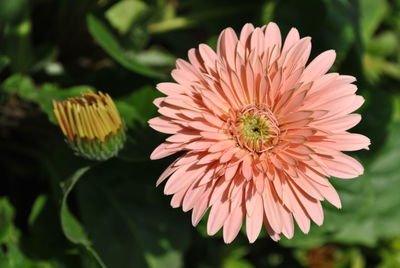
point(110, 44)
point(124, 13)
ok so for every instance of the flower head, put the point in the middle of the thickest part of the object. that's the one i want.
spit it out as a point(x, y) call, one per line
point(92, 125)
point(261, 130)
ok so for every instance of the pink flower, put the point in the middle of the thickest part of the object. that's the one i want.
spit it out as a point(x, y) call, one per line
point(260, 131)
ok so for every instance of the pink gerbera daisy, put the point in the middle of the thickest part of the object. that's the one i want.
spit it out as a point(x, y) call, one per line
point(260, 132)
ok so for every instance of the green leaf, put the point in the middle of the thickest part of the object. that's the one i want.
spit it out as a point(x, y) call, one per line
point(370, 203)
point(10, 10)
point(235, 257)
point(268, 11)
point(11, 255)
point(123, 208)
point(6, 218)
point(124, 13)
point(37, 208)
point(17, 45)
point(339, 25)
point(45, 239)
point(71, 227)
point(111, 45)
point(372, 13)
point(4, 61)
point(45, 55)
point(155, 57)
point(234, 263)
point(383, 44)
point(136, 109)
point(43, 96)
point(138, 106)
point(390, 256)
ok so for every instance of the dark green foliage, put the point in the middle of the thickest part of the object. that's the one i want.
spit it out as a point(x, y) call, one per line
point(59, 210)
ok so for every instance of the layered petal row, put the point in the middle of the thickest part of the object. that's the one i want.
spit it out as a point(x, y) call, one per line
point(261, 131)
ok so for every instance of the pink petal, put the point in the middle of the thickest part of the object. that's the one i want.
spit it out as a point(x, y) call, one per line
point(247, 169)
point(221, 146)
point(247, 29)
point(162, 151)
point(208, 55)
point(291, 39)
point(218, 213)
point(176, 182)
point(329, 193)
point(255, 220)
point(233, 224)
point(311, 205)
point(271, 208)
point(171, 88)
point(319, 66)
point(200, 207)
point(231, 171)
point(176, 200)
point(343, 166)
point(164, 125)
point(226, 45)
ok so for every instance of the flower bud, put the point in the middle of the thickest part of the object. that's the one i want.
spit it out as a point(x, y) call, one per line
point(92, 125)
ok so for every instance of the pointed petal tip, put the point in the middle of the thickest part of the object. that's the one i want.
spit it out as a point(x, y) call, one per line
point(229, 238)
point(368, 143)
point(294, 29)
point(249, 24)
point(227, 241)
point(175, 206)
point(289, 236)
point(272, 23)
point(332, 52)
point(151, 120)
point(228, 29)
point(337, 204)
point(154, 155)
point(194, 223)
point(319, 222)
point(252, 240)
point(275, 237)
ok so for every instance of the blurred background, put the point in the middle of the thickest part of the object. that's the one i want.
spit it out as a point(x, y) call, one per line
point(58, 210)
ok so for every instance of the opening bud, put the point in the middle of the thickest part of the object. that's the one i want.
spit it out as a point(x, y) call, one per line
point(92, 125)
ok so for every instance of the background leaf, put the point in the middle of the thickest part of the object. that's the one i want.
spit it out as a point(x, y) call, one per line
point(125, 208)
point(109, 43)
point(24, 87)
point(70, 225)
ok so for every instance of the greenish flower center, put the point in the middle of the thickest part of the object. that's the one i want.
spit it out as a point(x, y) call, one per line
point(254, 127)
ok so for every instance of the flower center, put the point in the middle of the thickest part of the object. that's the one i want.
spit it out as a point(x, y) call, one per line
point(255, 129)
